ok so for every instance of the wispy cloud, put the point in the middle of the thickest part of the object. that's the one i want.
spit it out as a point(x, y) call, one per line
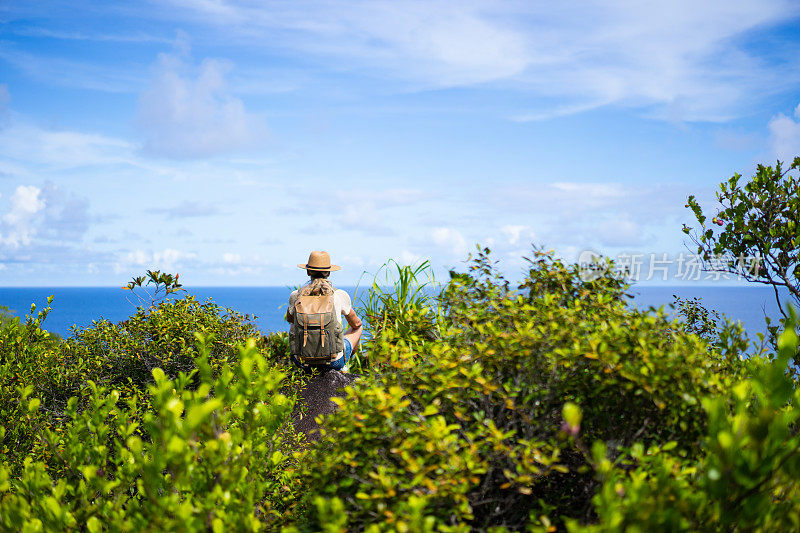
point(40, 216)
point(679, 60)
point(16, 227)
point(83, 74)
point(450, 239)
point(565, 214)
point(23, 142)
point(132, 37)
point(5, 98)
point(370, 210)
point(449, 44)
point(785, 136)
point(676, 61)
point(189, 111)
point(167, 259)
point(518, 234)
point(66, 216)
point(187, 209)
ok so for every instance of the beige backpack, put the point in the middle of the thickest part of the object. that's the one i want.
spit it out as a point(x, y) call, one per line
point(317, 337)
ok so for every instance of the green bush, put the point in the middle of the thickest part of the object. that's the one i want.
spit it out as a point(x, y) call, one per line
point(120, 356)
point(552, 404)
point(204, 457)
point(467, 431)
point(745, 478)
point(176, 418)
point(159, 337)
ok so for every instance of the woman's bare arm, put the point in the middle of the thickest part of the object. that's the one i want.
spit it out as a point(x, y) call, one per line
point(353, 320)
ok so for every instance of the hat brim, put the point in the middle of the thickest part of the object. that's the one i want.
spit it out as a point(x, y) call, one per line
point(332, 268)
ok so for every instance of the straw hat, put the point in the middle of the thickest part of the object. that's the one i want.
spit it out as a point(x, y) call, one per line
point(319, 261)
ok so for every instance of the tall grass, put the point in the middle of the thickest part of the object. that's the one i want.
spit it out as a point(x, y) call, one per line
point(403, 298)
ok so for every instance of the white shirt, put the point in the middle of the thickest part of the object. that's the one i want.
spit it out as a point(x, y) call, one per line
point(342, 305)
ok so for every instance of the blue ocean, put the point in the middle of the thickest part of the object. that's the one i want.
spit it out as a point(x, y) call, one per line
point(79, 306)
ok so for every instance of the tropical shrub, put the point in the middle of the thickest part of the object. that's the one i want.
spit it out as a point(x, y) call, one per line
point(468, 431)
point(22, 368)
point(551, 404)
point(745, 478)
point(176, 418)
point(205, 457)
point(161, 336)
point(705, 323)
point(5, 316)
point(755, 233)
point(121, 356)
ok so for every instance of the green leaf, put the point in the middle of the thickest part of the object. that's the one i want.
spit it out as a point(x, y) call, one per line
point(33, 405)
point(94, 525)
point(572, 414)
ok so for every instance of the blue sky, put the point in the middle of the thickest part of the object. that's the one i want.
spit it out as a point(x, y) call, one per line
point(226, 139)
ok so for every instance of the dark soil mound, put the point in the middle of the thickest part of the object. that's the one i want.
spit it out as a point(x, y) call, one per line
point(315, 400)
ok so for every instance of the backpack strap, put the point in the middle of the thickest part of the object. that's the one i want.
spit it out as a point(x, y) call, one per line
point(310, 321)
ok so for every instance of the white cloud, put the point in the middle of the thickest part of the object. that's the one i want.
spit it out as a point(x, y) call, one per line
point(66, 215)
point(167, 259)
point(33, 147)
point(231, 259)
point(450, 238)
point(24, 204)
point(585, 214)
point(445, 43)
point(518, 234)
point(451, 43)
point(409, 258)
point(44, 226)
point(619, 230)
point(189, 112)
point(581, 199)
point(17, 226)
point(70, 73)
point(137, 257)
point(785, 136)
point(363, 209)
point(681, 60)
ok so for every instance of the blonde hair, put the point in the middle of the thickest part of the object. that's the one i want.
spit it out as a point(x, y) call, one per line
point(317, 287)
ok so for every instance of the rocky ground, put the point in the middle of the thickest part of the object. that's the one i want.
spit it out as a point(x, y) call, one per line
point(315, 399)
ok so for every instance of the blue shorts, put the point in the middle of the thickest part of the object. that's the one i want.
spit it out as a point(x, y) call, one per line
point(343, 360)
point(339, 364)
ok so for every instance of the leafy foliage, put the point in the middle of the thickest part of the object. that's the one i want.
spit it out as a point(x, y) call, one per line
point(5, 316)
point(176, 418)
point(697, 319)
point(120, 356)
point(547, 405)
point(745, 479)
point(479, 427)
point(201, 457)
point(756, 232)
point(163, 285)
